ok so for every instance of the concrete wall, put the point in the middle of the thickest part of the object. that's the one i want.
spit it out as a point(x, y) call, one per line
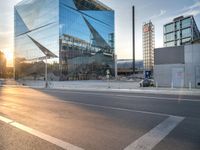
point(163, 69)
point(163, 74)
point(169, 55)
point(192, 63)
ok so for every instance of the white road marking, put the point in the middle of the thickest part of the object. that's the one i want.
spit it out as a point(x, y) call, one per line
point(112, 108)
point(127, 96)
point(6, 120)
point(154, 136)
point(53, 140)
point(106, 107)
point(131, 96)
point(161, 98)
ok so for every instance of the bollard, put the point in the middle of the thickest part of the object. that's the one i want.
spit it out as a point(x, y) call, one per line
point(190, 86)
point(172, 85)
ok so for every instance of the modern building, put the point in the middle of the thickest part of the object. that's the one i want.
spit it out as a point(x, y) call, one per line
point(2, 65)
point(125, 67)
point(148, 46)
point(181, 31)
point(178, 66)
point(196, 41)
point(76, 36)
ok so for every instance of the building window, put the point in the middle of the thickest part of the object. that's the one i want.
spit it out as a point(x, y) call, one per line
point(186, 33)
point(187, 40)
point(169, 37)
point(169, 28)
point(170, 44)
point(186, 23)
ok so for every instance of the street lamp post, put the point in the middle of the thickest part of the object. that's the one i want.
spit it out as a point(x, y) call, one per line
point(116, 74)
point(46, 80)
point(108, 77)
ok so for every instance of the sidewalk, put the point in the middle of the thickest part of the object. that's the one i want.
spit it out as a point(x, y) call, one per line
point(112, 86)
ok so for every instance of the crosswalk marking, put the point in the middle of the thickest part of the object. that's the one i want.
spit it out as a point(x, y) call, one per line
point(154, 136)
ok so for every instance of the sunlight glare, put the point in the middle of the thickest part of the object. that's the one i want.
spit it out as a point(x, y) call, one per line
point(9, 56)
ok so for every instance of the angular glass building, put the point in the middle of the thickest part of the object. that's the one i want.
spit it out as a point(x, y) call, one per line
point(75, 36)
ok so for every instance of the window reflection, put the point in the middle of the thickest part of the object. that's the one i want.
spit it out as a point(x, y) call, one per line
point(81, 36)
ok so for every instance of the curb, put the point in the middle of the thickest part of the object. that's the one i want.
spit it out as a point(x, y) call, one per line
point(144, 91)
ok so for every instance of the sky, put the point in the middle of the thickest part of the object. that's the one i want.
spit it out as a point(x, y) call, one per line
point(159, 12)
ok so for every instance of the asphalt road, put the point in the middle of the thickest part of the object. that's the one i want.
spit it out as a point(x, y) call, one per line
point(40, 119)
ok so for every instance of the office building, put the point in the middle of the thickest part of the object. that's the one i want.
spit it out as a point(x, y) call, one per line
point(148, 46)
point(178, 66)
point(181, 31)
point(75, 36)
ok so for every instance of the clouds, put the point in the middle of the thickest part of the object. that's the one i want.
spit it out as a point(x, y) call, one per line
point(195, 5)
point(159, 11)
point(193, 9)
point(156, 16)
point(192, 12)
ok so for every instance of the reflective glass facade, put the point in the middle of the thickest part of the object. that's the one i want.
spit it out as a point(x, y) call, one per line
point(182, 30)
point(77, 37)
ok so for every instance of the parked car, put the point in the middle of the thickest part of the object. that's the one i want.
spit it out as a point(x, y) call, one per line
point(147, 83)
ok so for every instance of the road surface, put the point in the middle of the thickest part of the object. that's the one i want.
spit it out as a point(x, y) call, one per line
point(39, 119)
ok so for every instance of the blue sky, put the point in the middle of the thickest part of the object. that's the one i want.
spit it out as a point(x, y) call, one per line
point(158, 11)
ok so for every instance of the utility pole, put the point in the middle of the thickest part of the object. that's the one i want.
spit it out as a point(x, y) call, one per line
point(133, 19)
point(46, 80)
point(116, 67)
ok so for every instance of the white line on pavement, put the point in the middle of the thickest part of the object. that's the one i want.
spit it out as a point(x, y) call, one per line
point(161, 98)
point(112, 108)
point(154, 136)
point(6, 120)
point(131, 96)
point(53, 140)
point(108, 107)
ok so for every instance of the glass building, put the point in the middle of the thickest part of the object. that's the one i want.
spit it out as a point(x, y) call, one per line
point(75, 36)
point(181, 31)
point(148, 46)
